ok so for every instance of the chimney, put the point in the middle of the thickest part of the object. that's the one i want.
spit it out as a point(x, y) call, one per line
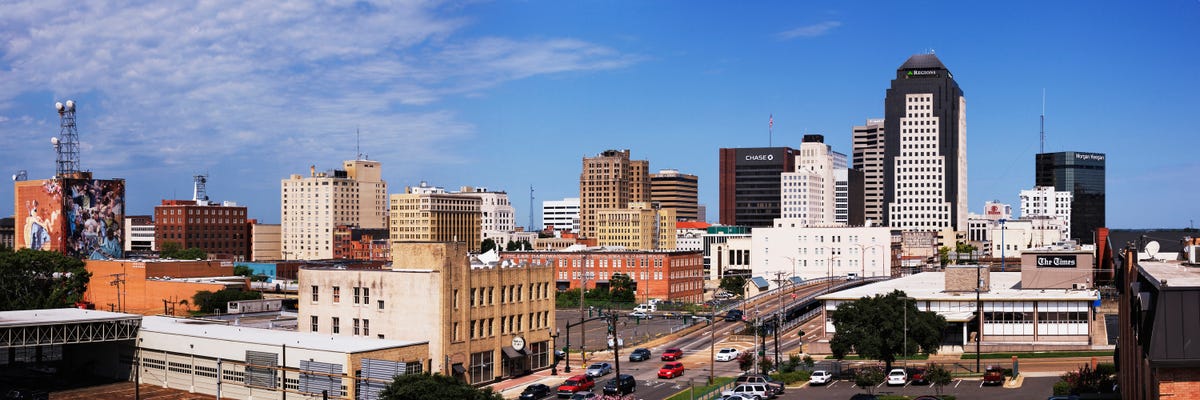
point(962, 278)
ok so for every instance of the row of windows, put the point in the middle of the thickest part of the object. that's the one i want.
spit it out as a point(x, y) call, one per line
point(362, 295)
point(361, 327)
point(195, 211)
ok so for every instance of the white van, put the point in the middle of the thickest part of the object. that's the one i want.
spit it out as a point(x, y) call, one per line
point(646, 308)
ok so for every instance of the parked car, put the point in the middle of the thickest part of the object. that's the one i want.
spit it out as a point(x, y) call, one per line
point(897, 377)
point(599, 369)
point(728, 354)
point(918, 376)
point(671, 370)
point(584, 395)
point(993, 375)
point(577, 383)
point(640, 315)
point(535, 392)
point(639, 355)
point(733, 315)
point(738, 396)
point(672, 354)
point(756, 391)
point(820, 377)
point(1063, 397)
point(621, 385)
point(774, 387)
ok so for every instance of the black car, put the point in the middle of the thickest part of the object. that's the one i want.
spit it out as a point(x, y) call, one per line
point(621, 385)
point(733, 315)
point(535, 391)
point(639, 355)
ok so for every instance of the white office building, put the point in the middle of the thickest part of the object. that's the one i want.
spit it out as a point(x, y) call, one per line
point(313, 206)
point(817, 252)
point(563, 214)
point(808, 194)
point(1044, 201)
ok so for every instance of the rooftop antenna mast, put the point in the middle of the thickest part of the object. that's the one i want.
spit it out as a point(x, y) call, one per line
point(199, 191)
point(531, 227)
point(1043, 127)
point(358, 142)
point(66, 144)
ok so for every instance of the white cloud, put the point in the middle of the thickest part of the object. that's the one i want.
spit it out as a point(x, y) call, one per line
point(187, 83)
point(819, 29)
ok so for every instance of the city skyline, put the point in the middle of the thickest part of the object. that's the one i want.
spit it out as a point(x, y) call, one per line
point(508, 96)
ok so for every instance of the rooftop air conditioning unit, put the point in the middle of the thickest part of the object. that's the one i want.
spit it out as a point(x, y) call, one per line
point(1080, 286)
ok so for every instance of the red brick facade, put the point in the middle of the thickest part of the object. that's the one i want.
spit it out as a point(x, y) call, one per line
point(221, 231)
point(666, 275)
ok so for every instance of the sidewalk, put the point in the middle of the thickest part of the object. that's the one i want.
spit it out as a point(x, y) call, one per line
point(511, 388)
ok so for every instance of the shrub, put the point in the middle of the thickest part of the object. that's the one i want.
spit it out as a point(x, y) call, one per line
point(792, 377)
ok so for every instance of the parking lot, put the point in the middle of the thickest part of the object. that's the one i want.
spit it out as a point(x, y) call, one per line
point(1032, 388)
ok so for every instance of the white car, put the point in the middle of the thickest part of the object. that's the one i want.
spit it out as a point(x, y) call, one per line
point(820, 377)
point(897, 377)
point(640, 315)
point(728, 354)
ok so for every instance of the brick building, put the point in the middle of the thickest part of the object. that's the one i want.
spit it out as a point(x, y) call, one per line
point(1157, 356)
point(351, 242)
point(667, 275)
point(152, 287)
point(219, 230)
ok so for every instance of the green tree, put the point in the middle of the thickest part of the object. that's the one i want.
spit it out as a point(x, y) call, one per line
point(735, 284)
point(745, 361)
point(174, 250)
point(220, 299)
point(567, 299)
point(620, 288)
point(944, 255)
point(1087, 380)
point(939, 377)
point(965, 248)
point(242, 270)
point(868, 378)
point(434, 387)
point(487, 245)
point(35, 279)
point(873, 327)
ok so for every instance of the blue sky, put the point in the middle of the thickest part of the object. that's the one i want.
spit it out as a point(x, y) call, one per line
point(510, 95)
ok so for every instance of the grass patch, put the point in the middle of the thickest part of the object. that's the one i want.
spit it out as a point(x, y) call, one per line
point(686, 394)
point(858, 357)
point(1048, 354)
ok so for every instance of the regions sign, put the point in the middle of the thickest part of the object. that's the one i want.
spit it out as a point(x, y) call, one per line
point(1057, 261)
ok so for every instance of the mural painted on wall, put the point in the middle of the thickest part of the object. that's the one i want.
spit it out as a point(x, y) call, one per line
point(82, 218)
point(95, 211)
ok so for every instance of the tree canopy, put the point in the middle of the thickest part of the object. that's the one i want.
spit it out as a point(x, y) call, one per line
point(487, 245)
point(208, 301)
point(518, 245)
point(735, 284)
point(35, 279)
point(434, 387)
point(873, 327)
point(176, 251)
point(621, 289)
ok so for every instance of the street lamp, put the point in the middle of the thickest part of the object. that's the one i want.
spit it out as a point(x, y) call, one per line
point(862, 250)
point(905, 299)
point(1002, 244)
point(554, 352)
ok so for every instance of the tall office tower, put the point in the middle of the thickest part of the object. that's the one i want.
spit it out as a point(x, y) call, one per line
point(749, 182)
point(218, 229)
point(1082, 174)
point(1044, 201)
point(428, 214)
point(841, 189)
point(498, 215)
point(610, 181)
point(868, 161)
point(807, 194)
point(676, 191)
point(925, 150)
point(562, 215)
point(312, 206)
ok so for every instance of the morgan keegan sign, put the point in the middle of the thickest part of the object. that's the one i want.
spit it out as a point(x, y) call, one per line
point(1056, 261)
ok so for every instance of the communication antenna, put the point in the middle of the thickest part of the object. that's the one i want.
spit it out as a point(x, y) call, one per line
point(20, 176)
point(1152, 249)
point(66, 145)
point(1043, 127)
point(199, 191)
point(531, 227)
point(358, 143)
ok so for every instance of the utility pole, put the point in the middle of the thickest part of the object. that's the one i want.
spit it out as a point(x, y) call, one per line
point(779, 310)
point(612, 330)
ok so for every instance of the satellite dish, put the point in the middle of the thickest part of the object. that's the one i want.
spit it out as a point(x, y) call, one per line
point(1152, 249)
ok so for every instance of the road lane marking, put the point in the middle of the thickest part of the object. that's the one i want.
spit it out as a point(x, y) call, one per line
point(957, 382)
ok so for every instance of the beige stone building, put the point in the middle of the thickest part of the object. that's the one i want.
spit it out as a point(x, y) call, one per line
point(428, 214)
point(312, 206)
point(641, 226)
point(677, 191)
point(610, 181)
point(265, 242)
point(483, 323)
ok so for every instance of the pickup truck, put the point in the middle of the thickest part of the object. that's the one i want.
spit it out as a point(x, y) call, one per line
point(577, 383)
point(993, 375)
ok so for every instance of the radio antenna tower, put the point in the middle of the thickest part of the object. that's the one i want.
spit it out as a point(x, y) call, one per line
point(358, 142)
point(1043, 127)
point(66, 145)
point(531, 227)
point(199, 191)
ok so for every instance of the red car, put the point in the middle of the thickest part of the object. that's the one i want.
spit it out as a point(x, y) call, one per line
point(672, 354)
point(577, 383)
point(671, 370)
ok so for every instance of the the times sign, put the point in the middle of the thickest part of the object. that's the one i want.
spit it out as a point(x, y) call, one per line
point(1056, 262)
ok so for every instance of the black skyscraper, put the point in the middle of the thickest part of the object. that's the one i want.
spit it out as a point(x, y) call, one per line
point(750, 189)
point(925, 150)
point(1082, 174)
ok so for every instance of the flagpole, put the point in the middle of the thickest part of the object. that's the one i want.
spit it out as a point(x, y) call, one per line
point(770, 130)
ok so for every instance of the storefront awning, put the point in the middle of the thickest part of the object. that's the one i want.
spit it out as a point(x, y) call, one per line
point(459, 370)
point(958, 316)
point(510, 352)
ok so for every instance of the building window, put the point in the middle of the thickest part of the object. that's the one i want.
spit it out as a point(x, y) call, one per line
point(315, 290)
point(366, 295)
point(356, 327)
point(380, 304)
point(366, 327)
point(314, 323)
point(356, 292)
point(337, 294)
point(336, 328)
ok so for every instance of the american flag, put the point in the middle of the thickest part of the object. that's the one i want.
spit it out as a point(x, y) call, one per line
point(771, 122)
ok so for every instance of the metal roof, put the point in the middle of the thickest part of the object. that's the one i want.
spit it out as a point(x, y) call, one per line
point(1005, 286)
point(302, 340)
point(52, 316)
